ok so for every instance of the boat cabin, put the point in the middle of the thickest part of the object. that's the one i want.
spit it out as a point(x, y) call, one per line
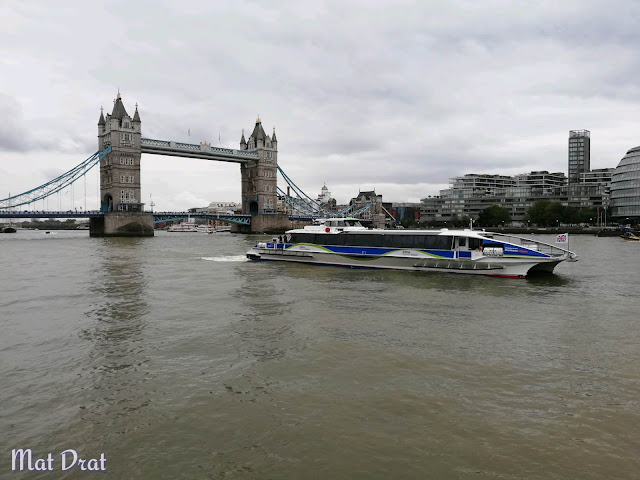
point(434, 241)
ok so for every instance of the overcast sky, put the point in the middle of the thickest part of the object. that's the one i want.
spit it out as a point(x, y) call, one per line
point(396, 96)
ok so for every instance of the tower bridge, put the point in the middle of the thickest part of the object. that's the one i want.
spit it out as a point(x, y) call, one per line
point(120, 172)
point(121, 211)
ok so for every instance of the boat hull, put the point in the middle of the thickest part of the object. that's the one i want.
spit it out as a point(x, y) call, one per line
point(516, 267)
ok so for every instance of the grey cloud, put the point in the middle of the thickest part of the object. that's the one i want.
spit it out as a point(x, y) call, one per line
point(360, 92)
point(13, 132)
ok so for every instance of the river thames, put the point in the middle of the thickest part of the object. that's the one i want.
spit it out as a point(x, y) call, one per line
point(178, 358)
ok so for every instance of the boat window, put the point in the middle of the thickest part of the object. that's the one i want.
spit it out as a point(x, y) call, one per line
point(409, 241)
point(373, 240)
point(419, 241)
point(328, 239)
point(303, 237)
point(355, 240)
point(462, 241)
point(474, 243)
point(435, 242)
point(321, 239)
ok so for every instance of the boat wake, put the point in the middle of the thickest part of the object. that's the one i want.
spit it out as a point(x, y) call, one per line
point(228, 258)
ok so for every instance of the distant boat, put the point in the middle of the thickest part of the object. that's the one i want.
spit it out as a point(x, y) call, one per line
point(630, 237)
point(223, 228)
point(8, 230)
point(184, 227)
point(206, 229)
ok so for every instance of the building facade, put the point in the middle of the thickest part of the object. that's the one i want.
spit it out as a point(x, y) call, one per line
point(467, 196)
point(369, 205)
point(221, 208)
point(598, 175)
point(406, 211)
point(625, 187)
point(579, 154)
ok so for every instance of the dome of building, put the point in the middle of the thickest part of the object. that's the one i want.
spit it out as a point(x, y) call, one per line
point(625, 186)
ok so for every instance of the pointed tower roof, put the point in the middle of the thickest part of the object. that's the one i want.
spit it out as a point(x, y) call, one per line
point(118, 108)
point(136, 116)
point(242, 140)
point(273, 137)
point(101, 121)
point(258, 131)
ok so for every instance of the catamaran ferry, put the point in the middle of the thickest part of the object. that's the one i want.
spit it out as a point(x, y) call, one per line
point(345, 242)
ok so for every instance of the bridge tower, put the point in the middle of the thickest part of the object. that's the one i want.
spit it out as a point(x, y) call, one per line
point(120, 194)
point(120, 169)
point(259, 177)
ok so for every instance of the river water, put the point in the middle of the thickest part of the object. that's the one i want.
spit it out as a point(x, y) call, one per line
point(177, 358)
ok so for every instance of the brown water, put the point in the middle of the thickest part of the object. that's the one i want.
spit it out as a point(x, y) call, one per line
point(178, 358)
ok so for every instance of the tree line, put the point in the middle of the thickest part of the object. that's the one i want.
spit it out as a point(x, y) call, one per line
point(51, 224)
point(542, 213)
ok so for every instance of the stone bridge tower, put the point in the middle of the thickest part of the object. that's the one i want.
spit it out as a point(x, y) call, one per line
point(259, 177)
point(120, 169)
point(120, 196)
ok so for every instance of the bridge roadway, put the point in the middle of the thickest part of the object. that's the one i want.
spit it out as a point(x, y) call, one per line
point(193, 150)
point(158, 217)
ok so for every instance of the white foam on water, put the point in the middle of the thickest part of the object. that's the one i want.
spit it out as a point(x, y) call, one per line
point(229, 258)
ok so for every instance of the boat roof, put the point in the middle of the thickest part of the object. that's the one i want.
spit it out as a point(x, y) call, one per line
point(444, 231)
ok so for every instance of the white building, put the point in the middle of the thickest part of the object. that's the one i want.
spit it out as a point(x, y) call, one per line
point(325, 195)
point(223, 207)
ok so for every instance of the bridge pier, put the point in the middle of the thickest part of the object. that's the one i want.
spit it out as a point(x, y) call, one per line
point(270, 223)
point(122, 224)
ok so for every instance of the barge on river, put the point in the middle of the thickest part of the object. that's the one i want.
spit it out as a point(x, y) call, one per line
point(345, 242)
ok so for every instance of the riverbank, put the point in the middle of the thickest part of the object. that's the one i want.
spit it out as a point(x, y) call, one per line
point(597, 231)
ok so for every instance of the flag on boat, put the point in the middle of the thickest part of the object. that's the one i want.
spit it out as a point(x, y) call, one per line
point(562, 238)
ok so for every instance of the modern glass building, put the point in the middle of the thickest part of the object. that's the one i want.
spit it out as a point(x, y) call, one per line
point(472, 193)
point(625, 187)
point(579, 154)
point(598, 175)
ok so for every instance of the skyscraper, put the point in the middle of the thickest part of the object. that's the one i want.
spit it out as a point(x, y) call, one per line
point(579, 154)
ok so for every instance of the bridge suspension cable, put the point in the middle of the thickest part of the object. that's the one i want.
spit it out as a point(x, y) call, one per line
point(304, 205)
point(53, 186)
point(299, 206)
point(300, 193)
